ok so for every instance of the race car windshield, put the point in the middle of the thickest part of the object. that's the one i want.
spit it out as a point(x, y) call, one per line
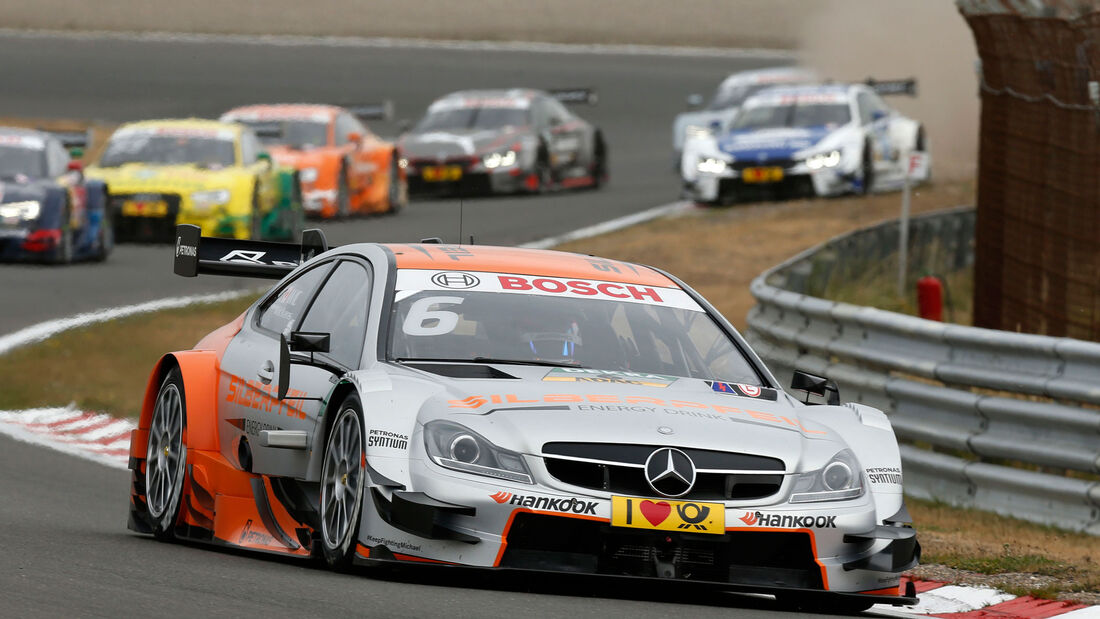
point(297, 134)
point(794, 115)
point(735, 95)
point(527, 329)
point(17, 160)
point(167, 150)
point(472, 118)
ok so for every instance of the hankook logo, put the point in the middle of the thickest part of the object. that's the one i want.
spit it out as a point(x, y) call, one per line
point(670, 472)
point(455, 279)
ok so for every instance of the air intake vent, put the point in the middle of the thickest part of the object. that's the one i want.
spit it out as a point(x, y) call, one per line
point(461, 370)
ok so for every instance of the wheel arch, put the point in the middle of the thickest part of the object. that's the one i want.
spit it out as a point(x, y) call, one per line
point(199, 371)
point(332, 407)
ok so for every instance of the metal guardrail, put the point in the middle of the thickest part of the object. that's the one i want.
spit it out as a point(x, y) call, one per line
point(964, 402)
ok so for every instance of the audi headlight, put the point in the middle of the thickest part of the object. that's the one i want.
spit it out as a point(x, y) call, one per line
point(499, 160)
point(838, 480)
point(206, 199)
point(308, 175)
point(830, 159)
point(25, 210)
point(711, 165)
point(456, 447)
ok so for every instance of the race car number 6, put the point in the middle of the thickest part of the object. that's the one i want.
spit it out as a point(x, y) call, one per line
point(420, 319)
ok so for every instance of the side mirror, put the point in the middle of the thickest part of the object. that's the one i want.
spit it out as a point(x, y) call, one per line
point(299, 341)
point(695, 100)
point(355, 137)
point(816, 385)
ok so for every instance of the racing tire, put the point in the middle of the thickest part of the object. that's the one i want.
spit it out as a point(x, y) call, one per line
point(166, 456)
point(397, 195)
point(867, 169)
point(343, 194)
point(63, 253)
point(342, 485)
point(542, 171)
point(105, 238)
point(599, 169)
point(256, 219)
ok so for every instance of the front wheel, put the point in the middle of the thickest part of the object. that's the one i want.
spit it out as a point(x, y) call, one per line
point(867, 169)
point(342, 483)
point(63, 253)
point(166, 456)
point(105, 242)
point(256, 220)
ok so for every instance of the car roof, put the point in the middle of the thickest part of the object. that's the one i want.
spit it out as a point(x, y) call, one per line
point(839, 92)
point(493, 94)
point(270, 111)
point(522, 261)
point(24, 133)
point(183, 124)
point(770, 74)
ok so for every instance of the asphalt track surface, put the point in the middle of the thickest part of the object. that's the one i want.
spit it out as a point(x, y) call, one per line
point(62, 520)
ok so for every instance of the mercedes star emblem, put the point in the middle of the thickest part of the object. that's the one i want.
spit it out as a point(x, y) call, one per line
point(670, 472)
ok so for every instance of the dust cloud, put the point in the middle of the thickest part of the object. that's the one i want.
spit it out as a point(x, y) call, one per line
point(891, 39)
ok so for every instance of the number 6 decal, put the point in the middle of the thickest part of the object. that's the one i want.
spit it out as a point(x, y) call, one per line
point(423, 321)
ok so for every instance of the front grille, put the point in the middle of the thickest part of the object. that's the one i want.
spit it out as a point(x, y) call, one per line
point(770, 163)
point(538, 541)
point(620, 469)
point(791, 187)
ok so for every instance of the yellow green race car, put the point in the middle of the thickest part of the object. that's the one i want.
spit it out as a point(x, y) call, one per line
point(215, 175)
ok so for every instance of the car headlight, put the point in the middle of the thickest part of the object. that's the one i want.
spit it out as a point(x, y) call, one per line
point(696, 131)
point(206, 199)
point(830, 159)
point(711, 165)
point(838, 480)
point(500, 160)
point(456, 447)
point(25, 210)
point(308, 175)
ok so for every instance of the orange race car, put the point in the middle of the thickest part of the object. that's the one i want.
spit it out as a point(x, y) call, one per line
point(343, 167)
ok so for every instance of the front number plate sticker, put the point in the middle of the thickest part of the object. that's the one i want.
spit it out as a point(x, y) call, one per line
point(438, 174)
point(762, 175)
point(662, 515)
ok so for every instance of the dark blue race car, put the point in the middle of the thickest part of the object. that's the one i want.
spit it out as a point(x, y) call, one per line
point(48, 211)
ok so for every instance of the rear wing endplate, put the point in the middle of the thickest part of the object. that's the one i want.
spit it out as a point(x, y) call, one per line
point(893, 87)
point(586, 96)
point(197, 254)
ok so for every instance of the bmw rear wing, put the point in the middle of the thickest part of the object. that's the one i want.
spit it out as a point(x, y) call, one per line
point(197, 254)
point(893, 87)
point(372, 111)
point(586, 96)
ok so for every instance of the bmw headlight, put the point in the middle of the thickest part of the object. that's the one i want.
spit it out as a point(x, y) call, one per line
point(696, 131)
point(499, 160)
point(711, 165)
point(456, 447)
point(838, 480)
point(206, 199)
point(308, 175)
point(25, 210)
point(819, 161)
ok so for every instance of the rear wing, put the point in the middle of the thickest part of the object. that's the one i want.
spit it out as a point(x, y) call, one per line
point(893, 87)
point(372, 111)
point(197, 254)
point(586, 96)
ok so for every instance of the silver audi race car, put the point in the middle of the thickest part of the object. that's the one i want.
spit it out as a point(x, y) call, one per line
point(519, 140)
point(511, 409)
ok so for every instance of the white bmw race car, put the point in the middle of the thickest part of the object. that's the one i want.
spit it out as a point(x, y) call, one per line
point(727, 99)
point(802, 141)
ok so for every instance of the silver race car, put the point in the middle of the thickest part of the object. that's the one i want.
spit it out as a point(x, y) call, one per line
point(476, 142)
point(512, 409)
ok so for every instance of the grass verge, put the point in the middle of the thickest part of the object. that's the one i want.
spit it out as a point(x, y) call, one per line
point(104, 367)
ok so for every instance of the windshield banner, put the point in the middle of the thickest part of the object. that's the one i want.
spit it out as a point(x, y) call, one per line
point(477, 281)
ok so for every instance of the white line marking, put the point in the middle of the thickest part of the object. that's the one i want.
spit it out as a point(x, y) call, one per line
point(958, 599)
point(675, 208)
point(50, 328)
point(15, 425)
point(400, 43)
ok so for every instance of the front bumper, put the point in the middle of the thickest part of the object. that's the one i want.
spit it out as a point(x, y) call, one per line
point(798, 182)
point(824, 548)
point(475, 181)
point(18, 243)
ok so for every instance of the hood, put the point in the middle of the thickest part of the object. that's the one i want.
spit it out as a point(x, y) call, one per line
point(132, 177)
point(448, 144)
point(771, 144)
point(19, 190)
point(298, 158)
point(550, 405)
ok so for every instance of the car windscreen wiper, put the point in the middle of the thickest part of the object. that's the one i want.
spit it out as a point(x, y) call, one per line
point(552, 364)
